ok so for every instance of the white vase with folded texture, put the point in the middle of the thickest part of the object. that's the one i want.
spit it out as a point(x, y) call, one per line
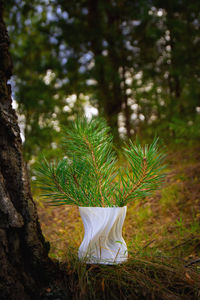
point(103, 242)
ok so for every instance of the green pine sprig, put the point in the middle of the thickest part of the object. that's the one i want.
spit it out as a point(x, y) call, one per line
point(145, 173)
point(88, 175)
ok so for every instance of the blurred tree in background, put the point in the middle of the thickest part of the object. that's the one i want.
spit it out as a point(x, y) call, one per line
point(137, 63)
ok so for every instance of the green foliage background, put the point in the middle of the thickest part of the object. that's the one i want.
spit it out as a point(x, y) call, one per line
point(136, 62)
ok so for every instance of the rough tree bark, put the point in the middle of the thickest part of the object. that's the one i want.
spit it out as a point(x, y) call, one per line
point(24, 262)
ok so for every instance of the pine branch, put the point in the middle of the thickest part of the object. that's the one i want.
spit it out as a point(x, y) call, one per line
point(59, 187)
point(146, 166)
point(139, 183)
point(79, 186)
point(99, 176)
point(87, 177)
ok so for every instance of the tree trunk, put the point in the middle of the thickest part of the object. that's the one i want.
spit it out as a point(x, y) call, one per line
point(109, 91)
point(24, 262)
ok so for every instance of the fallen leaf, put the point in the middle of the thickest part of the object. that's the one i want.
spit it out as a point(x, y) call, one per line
point(189, 279)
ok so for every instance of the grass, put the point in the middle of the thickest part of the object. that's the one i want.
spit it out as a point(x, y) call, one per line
point(162, 234)
point(148, 277)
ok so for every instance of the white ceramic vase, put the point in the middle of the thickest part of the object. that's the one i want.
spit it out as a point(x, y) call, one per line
point(103, 242)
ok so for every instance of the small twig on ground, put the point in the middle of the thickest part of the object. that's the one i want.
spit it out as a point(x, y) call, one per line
point(148, 244)
point(195, 261)
point(181, 244)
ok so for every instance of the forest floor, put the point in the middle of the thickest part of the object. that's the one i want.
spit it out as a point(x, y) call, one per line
point(162, 234)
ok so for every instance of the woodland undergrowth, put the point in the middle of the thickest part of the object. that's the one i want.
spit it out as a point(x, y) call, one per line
point(162, 233)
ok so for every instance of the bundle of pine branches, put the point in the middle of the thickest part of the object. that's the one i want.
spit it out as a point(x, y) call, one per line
point(89, 174)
